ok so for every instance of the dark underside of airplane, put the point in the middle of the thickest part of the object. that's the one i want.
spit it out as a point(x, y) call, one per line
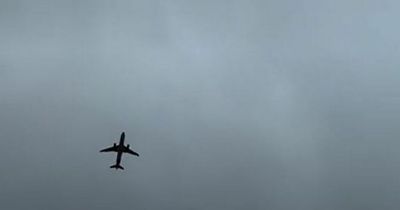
point(120, 149)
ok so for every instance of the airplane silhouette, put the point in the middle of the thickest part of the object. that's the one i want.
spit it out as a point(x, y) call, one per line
point(119, 149)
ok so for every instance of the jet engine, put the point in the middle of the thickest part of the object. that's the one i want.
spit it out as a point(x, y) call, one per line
point(115, 144)
point(127, 145)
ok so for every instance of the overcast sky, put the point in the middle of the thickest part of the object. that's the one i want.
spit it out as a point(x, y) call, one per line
point(263, 104)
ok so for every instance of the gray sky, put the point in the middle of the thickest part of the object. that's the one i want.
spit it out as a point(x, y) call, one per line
point(275, 105)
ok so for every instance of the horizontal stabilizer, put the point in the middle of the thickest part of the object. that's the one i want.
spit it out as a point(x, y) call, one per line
point(117, 167)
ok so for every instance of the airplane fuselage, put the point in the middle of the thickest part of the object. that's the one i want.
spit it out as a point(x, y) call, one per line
point(120, 149)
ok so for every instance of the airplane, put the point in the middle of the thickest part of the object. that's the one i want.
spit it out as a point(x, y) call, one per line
point(119, 149)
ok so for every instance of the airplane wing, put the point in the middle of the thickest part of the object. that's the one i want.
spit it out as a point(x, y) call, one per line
point(110, 149)
point(127, 150)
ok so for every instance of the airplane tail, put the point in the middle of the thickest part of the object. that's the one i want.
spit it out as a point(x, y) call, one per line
point(117, 167)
